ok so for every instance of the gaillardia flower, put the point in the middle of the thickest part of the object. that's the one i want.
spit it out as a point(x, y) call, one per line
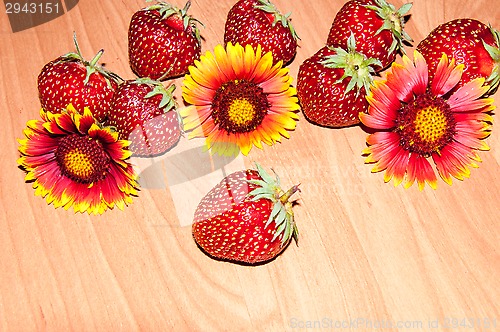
point(416, 120)
point(73, 161)
point(238, 99)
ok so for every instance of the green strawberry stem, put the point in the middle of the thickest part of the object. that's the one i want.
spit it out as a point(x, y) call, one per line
point(356, 66)
point(282, 213)
point(96, 58)
point(92, 66)
point(286, 196)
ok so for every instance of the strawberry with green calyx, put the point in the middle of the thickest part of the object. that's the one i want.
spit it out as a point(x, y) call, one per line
point(246, 218)
point(494, 51)
point(377, 26)
point(70, 79)
point(333, 83)
point(471, 43)
point(144, 112)
point(163, 41)
point(259, 22)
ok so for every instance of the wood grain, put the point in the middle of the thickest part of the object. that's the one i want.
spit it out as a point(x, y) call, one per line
point(368, 253)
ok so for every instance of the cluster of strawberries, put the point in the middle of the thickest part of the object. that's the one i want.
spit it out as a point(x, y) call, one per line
point(142, 110)
point(163, 41)
point(366, 35)
point(364, 39)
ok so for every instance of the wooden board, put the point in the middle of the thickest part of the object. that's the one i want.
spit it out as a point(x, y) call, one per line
point(369, 253)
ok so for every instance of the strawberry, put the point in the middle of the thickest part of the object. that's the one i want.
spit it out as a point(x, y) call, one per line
point(332, 85)
point(163, 41)
point(70, 79)
point(143, 112)
point(377, 27)
point(246, 218)
point(469, 42)
point(258, 22)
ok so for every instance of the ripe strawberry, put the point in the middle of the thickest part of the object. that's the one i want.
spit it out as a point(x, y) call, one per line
point(377, 27)
point(143, 112)
point(332, 85)
point(70, 79)
point(257, 22)
point(163, 41)
point(469, 42)
point(245, 218)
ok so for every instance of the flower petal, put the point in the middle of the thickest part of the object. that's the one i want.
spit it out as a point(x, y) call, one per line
point(447, 76)
point(466, 98)
point(420, 169)
point(454, 160)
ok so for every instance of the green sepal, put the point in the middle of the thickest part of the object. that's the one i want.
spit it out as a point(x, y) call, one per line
point(277, 207)
point(270, 8)
point(282, 225)
point(356, 66)
point(260, 183)
point(266, 177)
point(288, 230)
point(295, 233)
point(260, 191)
point(166, 10)
point(394, 21)
point(494, 79)
point(281, 214)
point(262, 196)
point(167, 102)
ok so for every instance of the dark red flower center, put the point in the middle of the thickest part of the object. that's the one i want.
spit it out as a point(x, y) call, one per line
point(239, 106)
point(82, 159)
point(425, 125)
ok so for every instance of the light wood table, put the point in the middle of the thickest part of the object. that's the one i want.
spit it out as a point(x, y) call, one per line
point(369, 254)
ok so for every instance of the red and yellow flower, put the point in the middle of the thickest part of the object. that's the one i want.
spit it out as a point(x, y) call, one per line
point(73, 161)
point(238, 99)
point(416, 121)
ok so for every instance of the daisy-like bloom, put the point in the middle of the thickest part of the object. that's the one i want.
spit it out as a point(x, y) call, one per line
point(416, 121)
point(73, 161)
point(238, 99)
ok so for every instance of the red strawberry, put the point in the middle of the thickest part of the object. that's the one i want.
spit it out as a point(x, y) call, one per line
point(258, 22)
point(163, 41)
point(70, 79)
point(332, 85)
point(143, 112)
point(469, 42)
point(245, 218)
point(377, 27)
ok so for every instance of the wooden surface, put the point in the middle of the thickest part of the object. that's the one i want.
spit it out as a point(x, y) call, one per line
point(369, 253)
